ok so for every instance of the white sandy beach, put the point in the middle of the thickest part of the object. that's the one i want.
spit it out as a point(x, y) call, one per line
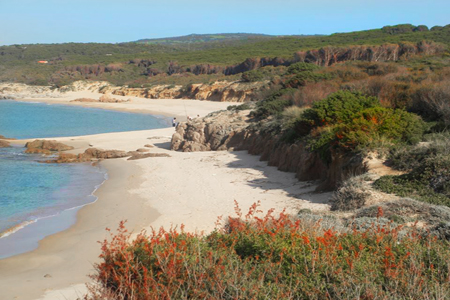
point(187, 188)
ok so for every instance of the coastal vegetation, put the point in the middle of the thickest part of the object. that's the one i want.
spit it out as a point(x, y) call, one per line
point(275, 257)
point(333, 101)
point(182, 61)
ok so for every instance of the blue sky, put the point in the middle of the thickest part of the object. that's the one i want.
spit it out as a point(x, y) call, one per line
point(59, 21)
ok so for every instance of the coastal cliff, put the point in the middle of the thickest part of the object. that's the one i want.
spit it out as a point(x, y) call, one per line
point(230, 130)
point(330, 55)
point(223, 91)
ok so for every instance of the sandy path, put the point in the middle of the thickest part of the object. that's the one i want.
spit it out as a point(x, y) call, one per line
point(187, 188)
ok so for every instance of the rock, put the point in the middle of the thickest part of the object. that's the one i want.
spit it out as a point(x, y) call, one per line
point(148, 146)
point(103, 99)
point(4, 144)
point(104, 154)
point(84, 100)
point(146, 155)
point(234, 91)
point(142, 150)
point(91, 154)
point(48, 276)
point(213, 132)
point(229, 130)
point(109, 99)
point(38, 151)
point(50, 145)
point(6, 138)
point(69, 158)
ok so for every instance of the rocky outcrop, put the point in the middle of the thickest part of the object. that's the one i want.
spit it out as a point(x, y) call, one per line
point(19, 90)
point(91, 154)
point(225, 91)
point(102, 99)
point(94, 154)
point(331, 55)
point(4, 144)
point(46, 146)
point(389, 52)
point(213, 132)
point(218, 91)
point(230, 130)
point(136, 156)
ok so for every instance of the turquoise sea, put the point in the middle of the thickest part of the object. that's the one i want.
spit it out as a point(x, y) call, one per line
point(39, 199)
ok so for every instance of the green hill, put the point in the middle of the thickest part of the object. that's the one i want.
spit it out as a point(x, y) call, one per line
point(19, 62)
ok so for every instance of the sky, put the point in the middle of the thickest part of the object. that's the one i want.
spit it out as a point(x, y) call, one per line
point(114, 21)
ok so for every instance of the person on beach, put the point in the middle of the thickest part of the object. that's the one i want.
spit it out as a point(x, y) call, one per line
point(174, 122)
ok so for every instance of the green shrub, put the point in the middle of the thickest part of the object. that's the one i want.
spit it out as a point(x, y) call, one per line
point(429, 182)
point(252, 76)
point(407, 158)
point(243, 106)
point(301, 67)
point(302, 78)
point(340, 107)
point(273, 104)
point(349, 120)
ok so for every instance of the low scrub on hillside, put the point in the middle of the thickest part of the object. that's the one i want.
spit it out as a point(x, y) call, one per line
point(428, 177)
point(273, 257)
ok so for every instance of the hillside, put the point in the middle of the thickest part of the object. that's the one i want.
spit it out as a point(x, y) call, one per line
point(205, 38)
point(158, 62)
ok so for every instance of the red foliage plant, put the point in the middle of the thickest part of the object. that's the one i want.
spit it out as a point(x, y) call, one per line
point(273, 257)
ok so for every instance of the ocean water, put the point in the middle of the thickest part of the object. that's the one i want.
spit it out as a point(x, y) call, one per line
point(22, 120)
point(38, 199)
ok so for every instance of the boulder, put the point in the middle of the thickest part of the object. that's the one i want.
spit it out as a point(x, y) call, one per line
point(38, 151)
point(104, 154)
point(91, 154)
point(146, 155)
point(49, 145)
point(217, 131)
point(4, 144)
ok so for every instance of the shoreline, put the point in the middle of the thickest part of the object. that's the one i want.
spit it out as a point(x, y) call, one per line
point(76, 249)
point(26, 236)
point(187, 188)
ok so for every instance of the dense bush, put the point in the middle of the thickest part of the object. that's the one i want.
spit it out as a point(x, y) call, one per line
point(433, 103)
point(301, 67)
point(243, 106)
point(252, 76)
point(407, 158)
point(273, 104)
point(302, 78)
point(428, 182)
point(351, 194)
point(273, 258)
point(349, 120)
